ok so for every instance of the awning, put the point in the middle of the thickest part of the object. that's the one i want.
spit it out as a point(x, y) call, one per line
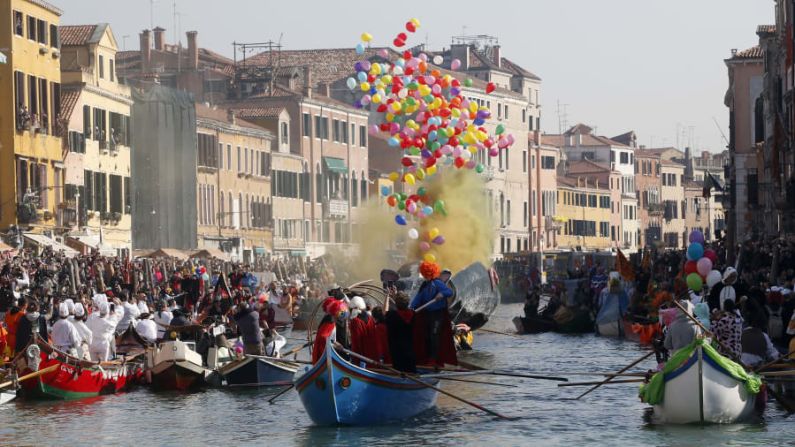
point(43, 241)
point(93, 243)
point(301, 253)
point(260, 250)
point(335, 165)
point(209, 253)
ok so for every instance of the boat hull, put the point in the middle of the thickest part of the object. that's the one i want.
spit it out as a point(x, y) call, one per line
point(611, 329)
point(252, 371)
point(701, 391)
point(533, 325)
point(74, 378)
point(335, 392)
point(7, 396)
point(177, 376)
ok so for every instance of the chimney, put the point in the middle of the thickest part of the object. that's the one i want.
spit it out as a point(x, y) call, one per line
point(323, 89)
point(461, 52)
point(307, 81)
point(734, 52)
point(230, 116)
point(193, 50)
point(496, 55)
point(146, 50)
point(160, 45)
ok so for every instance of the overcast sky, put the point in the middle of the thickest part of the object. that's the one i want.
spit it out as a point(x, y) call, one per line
point(649, 66)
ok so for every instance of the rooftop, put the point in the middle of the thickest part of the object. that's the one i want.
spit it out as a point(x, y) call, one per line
point(755, 52)
point(74, 35)
point(69, 99)
point(222, 115)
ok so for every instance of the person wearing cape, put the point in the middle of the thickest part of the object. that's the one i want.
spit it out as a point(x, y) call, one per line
point(433, 328)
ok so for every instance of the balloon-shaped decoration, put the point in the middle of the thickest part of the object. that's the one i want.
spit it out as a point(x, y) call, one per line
point(710, 253)
point(366, 37)
point(432, 233)
point(694, 282)
point(385, 191)
point(695, 251)
point(704, 266)
point(400, 220)
point(429, 257)
point(696, 236)
point(424, 246)
point(414, 234)
point(713, 278)
point(490, 87)
point(691, 267)
point(438, 240)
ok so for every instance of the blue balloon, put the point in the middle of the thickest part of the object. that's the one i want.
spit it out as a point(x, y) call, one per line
point(696, 236)
point(393, 142)
point(478, 121)
point(362, 76)
point(427, 210)
point(385, 190)
point(359, 49)
point(400, 220)
point(695, 251)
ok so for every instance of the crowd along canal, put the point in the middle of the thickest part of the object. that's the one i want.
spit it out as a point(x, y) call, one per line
point(610, 415)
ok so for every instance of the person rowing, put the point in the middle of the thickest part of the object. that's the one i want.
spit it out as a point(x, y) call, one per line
point(431, 303)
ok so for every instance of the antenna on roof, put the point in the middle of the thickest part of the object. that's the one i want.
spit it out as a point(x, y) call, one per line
point(562, 118)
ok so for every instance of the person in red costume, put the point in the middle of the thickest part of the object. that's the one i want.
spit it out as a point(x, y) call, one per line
point(362, 327)
point(335, 310)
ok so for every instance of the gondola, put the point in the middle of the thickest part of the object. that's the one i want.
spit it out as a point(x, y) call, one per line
point(337, 392)
point(130, 342)
point(698, 385)
point(73, 378)
point(257, 371)
point(536, 325)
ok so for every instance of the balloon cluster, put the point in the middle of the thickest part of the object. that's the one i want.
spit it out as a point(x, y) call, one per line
point(422, 110)
point(200, 272)
point(698, 268)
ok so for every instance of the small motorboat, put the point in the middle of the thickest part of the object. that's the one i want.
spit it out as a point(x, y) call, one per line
point(335, 391)
point(175, 365)
point(254, 370)
point(70, 377)
point(698, 385)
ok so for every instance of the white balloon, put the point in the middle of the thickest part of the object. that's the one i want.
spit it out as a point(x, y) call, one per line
point(438, 60)
point(713, 278)
point(414, 234)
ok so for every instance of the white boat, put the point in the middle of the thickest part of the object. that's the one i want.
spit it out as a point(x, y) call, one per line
point(175, 365)
point(610, 329)
point(702, 391)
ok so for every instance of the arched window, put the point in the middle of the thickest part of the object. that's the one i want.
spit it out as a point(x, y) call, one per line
point(284, 134)
point(363, 191)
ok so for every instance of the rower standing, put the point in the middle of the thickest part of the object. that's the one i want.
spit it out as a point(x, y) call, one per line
point(431, 299)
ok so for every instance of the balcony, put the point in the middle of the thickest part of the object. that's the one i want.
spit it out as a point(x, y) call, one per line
point(655, 209)
point(335, 209)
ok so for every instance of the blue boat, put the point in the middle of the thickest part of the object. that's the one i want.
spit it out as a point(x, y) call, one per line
point(257, 371)
point(336, 392)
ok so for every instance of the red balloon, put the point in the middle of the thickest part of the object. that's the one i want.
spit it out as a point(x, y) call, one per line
point(406, 54)
point(490, 87)
point(430, 162)
point(406, 161)
point(459, 162)
point(402, 36)
point(691, 267)
point(399, 42)
point(381, 108)
point(410, 27)
point(391, 201)
point(710, 253)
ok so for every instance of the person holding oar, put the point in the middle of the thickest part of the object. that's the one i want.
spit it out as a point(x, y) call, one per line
point(432, 319)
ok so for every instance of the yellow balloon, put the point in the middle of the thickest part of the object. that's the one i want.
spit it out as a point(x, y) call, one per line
point(430, 171)
point(450, 131)
point(424, 90)
point(409, 178)
point(420, 174)
point(473, 149)
point(387, 79)
point(366, 37)
point(473, 107)
point(394, 176)
point(416, 22)
point(456, 113)
point(375, 68)
point(396, 106)
point(376, 98)
point(481, 135)
point(390, 117)
point(412, 124)
point(429, 257)
point(365, 86)
point(433, 233)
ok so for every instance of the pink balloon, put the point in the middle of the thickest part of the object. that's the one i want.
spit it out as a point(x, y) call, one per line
point(710, 253)
point(424, 246)
point(704, 266)
point(455, 64)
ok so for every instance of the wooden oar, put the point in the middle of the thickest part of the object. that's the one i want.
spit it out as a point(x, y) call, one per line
point(298, 348)
point(622, 370)
point(597, 383)
point(498, 332)
point(706, 331)
point(773, 362)
point(525, 376)
point(270, 401)
point(454, 379)
point(280, 360)
point(32, 375)
point(420, 382)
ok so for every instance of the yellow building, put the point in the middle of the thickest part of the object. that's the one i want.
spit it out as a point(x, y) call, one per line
point(583, 214)
point(31, 157)
point(234, 185)
point(97, 109)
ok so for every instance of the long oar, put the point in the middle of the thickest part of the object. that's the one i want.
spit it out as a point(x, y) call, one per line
point(706, 331)
point(610, 379)
point(289, 387)
point(32, 375)
point(525, 376)
point(498, 332)
point(597, 383)
point(773, 362)
point(420, 382)
point(296, 349)
point(455, 379)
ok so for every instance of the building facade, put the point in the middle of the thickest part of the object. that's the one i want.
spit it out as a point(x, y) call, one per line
point(233, 185)
point(584, 214)
point(674, 208)
point(31, 159)
point(648, 181)
point(96, 109)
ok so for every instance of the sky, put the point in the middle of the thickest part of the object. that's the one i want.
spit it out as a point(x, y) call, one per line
point(655, 67)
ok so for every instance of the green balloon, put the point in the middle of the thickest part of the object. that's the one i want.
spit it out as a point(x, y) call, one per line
point(414, 151)
point(479, 168)
point(500, 129)
point(421, 191)
point(438, 207)
point(401, 205)
point(435, 145)
point(468, 82)
point(694, 282)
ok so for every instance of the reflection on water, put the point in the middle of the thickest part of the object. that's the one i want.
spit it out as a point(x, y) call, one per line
point(548, 415)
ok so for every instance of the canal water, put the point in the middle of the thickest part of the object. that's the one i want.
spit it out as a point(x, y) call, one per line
point(610, 415)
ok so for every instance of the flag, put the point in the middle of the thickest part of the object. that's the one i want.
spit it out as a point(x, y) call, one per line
point(624, 268)
point(710, 182)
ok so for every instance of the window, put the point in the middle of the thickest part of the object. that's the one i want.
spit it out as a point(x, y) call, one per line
point(101, 67)
point(530, 124)
point(547, 162)
point(307, 125)
point(533, 162)
point(115, 194)
point(239, 160)
point(363, 136)
point(592, 201)
point(76, 142)
point(624, 158)
point(524, 161)
point(612, 156)
point(100, 192)
point(127, 196)
point(19, 24)
point(206, 150)
point(604, 229)
point(508, 212)
point(54, 40)
point(31, 28)
point(335, 130)
point(524, 115)
point(41, 31)
point(344, 131)
point(284, 134)
point(526, 215)
point(111, 70)
point(499, 111)
point(318, 128)
point(353, 134)
point(33, 97)
point(22, 117)
point(44, 104)
point(506, 111)
point(229, 161)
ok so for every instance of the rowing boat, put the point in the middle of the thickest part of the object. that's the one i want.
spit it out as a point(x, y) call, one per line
point(337, 392)
point(698, 385)
point(175, 365)
point(73, 378)
point(257, 371)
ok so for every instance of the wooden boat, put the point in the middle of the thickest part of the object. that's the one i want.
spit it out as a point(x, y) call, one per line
point(536, 325)
point(334, 391)
point(700, 390)
point(611, 329)
point(254, 370)
point(175, 365)
point(582, 322)
point(74, 378)
point(130, 342)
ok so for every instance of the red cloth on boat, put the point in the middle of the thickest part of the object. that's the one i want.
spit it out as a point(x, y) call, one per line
point(363, 340)
point(382, 343)
point(446, 354)
point(321, 338)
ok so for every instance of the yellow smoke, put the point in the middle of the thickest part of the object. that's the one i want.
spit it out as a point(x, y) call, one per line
point(467, 226)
